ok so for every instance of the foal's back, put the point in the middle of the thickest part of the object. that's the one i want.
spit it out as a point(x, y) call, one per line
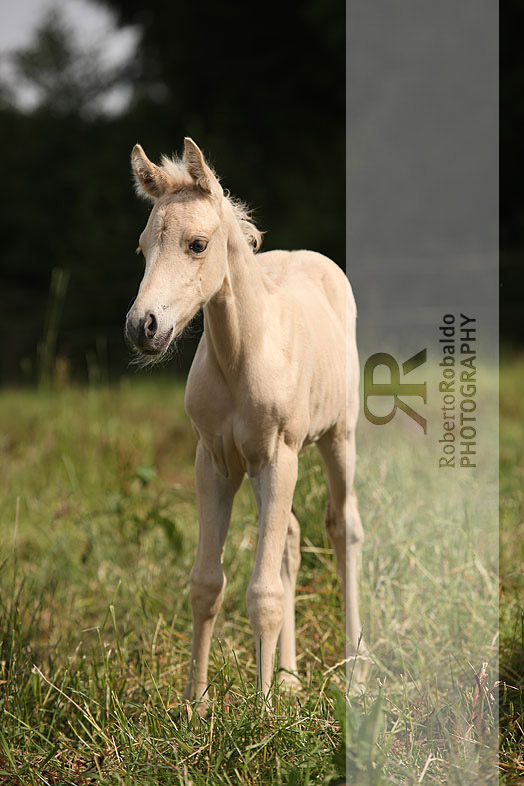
point(307, 275)
point(324, 319)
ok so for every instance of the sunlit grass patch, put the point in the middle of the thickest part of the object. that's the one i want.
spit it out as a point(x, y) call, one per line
point(512, 570)
point(99, 532)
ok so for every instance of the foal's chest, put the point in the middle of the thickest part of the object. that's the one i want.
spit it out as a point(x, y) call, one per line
point(239, 438)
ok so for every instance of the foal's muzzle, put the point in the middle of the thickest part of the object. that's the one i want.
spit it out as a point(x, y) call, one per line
point(145, 335)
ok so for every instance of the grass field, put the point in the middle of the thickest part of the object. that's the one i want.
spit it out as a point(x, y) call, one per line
point(512, 572)
point(98, 536)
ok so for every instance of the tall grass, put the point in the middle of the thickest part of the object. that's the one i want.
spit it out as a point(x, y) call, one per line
point(47, 347)
point(98, 537)
point(512, 570)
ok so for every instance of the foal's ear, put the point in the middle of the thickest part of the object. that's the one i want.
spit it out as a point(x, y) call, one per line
point(150, 180)
point(201, 173)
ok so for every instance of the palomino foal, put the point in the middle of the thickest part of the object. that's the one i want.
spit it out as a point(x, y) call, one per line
point(276, 369)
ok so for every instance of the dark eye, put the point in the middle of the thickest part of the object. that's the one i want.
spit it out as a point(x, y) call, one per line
point(198, 246)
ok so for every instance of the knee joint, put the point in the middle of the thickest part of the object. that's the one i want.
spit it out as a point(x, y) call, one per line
point(344, 525)
point(265, 604)
point(206, 591)
point(355, 532)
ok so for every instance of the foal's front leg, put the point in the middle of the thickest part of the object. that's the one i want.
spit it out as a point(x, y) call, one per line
point(215, 496)
point(273, 485)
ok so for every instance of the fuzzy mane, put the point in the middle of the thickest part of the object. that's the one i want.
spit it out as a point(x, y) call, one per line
point(179, 178)
point(244, 217)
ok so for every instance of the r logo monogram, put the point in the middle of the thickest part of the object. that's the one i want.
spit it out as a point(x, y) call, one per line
point(394, 387)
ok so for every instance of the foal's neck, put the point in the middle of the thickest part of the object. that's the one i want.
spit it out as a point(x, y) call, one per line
point(235, 315)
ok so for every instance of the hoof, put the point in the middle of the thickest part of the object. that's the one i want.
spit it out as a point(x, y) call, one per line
point(188, 710)
point(191, 704)
point(289, 681)
point(202, 708)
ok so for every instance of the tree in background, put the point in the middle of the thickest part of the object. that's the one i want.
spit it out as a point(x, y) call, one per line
point(262, 90)
point(511, 191)
point(66, 204)
point(65, 78)
point(261, 87)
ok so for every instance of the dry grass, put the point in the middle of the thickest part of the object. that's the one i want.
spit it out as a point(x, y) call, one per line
point(512, 571)
point(98, 524)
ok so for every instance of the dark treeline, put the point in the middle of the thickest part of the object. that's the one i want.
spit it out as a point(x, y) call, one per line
point(511, 181)
point(261, 88)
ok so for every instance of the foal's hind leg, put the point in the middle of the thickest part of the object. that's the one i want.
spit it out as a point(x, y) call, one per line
point(273, 485)
point(288, 574)
point(344, 527)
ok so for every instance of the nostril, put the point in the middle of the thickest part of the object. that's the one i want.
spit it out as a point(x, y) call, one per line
point(150, 325)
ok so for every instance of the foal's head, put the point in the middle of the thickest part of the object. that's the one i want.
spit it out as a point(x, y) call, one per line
point(184, 245)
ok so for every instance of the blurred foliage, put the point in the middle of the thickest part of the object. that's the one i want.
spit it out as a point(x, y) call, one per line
point(511, 190)
point(68, 80)
point(262, 90)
